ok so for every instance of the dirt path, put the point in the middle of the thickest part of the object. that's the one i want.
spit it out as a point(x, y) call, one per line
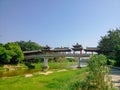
point(115, 73)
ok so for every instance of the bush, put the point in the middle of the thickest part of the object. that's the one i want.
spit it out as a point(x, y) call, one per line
point(71, 59)
point(29, 65)
point(112, 62)
point(97, 78)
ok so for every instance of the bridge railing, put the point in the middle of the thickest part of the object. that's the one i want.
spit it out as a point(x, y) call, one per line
point(57, 55)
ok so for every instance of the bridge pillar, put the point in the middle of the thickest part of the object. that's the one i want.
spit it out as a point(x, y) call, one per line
point(78, 62)
point(45, 67)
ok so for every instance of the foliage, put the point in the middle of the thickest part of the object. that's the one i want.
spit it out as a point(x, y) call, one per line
point(111, 62)
point(97, 78)
point(117, 53)
point(58, 59)
point(29, 65)
point(109, 45)
point(35, 60)
point(29, 45)
point(5, 55)
point(11, 53)
point(71, 59)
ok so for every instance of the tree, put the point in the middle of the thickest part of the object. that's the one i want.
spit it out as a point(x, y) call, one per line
point(29, 45)
point(109, 42)
point(5, 55)
point(10, 53)
point(16, 52)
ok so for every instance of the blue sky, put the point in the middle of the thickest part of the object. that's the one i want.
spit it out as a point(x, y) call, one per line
point(58, 22)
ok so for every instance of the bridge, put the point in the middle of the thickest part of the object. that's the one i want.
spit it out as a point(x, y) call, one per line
point(47, 56)
point(47, 52)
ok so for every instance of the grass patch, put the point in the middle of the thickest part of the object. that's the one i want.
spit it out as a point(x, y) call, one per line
point(54, 81)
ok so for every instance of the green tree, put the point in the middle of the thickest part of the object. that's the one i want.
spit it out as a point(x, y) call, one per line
point(16, 52)
point(5, 55)
point(29, 45)
point(109, 42)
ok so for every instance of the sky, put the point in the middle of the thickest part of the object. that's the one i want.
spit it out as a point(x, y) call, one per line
point(58, 22)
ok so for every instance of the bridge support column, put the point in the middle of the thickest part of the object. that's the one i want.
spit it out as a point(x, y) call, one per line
point(45, 67)
point(78, 62)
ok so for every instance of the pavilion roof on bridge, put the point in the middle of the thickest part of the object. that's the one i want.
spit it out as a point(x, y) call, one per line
point(77, 47)
point(46, 48)
point(61, 49)
point(92, 49)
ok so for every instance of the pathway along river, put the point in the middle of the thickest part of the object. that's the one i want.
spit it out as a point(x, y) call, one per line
point(115, 73)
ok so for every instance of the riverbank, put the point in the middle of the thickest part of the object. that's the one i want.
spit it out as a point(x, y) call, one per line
point(50, 80)
point(21, 69)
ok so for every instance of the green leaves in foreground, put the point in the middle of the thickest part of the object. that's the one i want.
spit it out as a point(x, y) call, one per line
point(97, 78)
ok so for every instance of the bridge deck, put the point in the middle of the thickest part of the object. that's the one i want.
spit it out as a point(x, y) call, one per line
point(56, 55)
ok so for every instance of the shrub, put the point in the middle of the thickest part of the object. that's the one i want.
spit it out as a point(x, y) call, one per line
point(112, 62)
point(97, 78)
point(71, 59)
point(29, 65)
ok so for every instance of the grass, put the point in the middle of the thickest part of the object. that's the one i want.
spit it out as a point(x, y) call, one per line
point(55, 65)
point(53, 81)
